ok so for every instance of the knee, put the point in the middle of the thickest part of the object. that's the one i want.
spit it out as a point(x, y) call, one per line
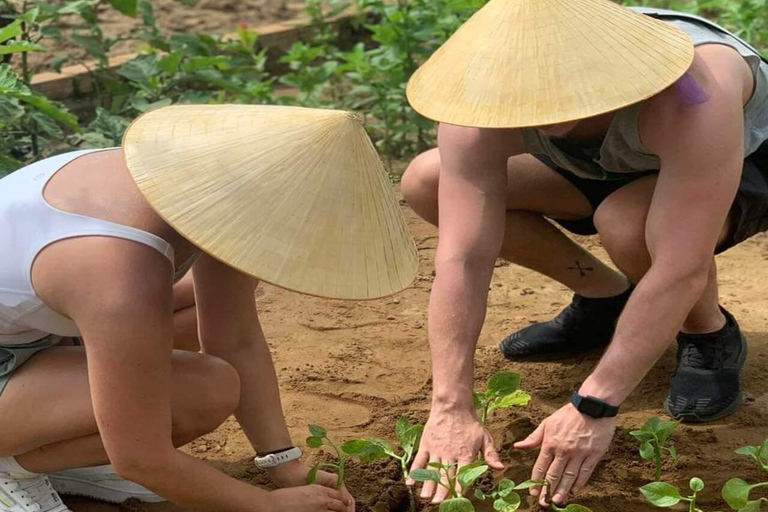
point(420, 181)
point(211, 394)
point(622, 233)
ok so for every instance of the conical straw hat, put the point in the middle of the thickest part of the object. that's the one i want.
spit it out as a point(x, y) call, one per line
point(525, 63)
point(295, 197)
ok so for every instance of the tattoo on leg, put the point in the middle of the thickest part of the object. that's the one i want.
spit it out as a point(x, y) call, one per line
point(582, 270)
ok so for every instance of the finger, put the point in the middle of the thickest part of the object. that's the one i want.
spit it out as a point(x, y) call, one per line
point(554, 475)
point(333, 494)
point(335, 505)
point(462, 463)
point(348, 500)
point(570, 474)
point(441, 492)
point(585, 473)
point(428, 489)
point(419, 462)
point(540, 469)
point(534, 440)
point(491, 456)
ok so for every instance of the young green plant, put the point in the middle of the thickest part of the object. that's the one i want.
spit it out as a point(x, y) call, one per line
point(654, 440)
point(318, 439)
point(445, 476)
point(664, 495)
point(736, 491)
point(503, 391)
point(505, 497)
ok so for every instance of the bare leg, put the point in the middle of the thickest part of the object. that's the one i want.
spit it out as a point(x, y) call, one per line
point(530, 240)
point(48, 422)
point(185, 315)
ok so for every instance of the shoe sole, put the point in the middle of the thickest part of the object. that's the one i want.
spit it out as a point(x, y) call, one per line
point(733, 407)
point(553, 356)
point(75, 487)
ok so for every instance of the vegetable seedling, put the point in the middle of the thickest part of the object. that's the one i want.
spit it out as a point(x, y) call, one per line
point(463, 479)
point(736, 494)
point(757, 453)
point(505, 497)
point(318, 439)
point(654, 441)
point(503, 391)
point(664, 495)
point(369, 450)
point(573, 507)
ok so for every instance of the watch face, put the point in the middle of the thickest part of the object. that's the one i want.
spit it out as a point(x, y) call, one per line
point(591, 408)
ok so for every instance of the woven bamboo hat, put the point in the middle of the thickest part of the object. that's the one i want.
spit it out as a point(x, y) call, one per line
point(525, 63)
point(295, 197)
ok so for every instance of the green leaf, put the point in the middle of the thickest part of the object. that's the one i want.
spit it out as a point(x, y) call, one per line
point(456, 505)
point(753, 506)
point(696, 484)
point(516, 399)
point(577, 508)
point(661, 494)
point(750, 451)
point(368, 450)
point(665, 430)
point(314, 442)
point(642, 435)
point(317, 431)
point(76, 7)
point(478, 399)
point(187, 2)
point(170, 64)
point(10, 31)
point(44, 105)
point(469, 474)
point(425, 475)
point(312, 475)
point(20, 47)
point(646, 451)
point(92, 45)
point(736, 493)
point(529, 484)
point(509, 504)
point(141, 69)
point(142, 105)
point(8, 164)
point(402, 426)
point(672, 451)
point(762, 454)
point(504, 383)
point(127, 7)
point(480, 495)
point(410, 441)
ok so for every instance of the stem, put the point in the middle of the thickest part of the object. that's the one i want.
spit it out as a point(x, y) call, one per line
point(692, 504)
point(342, 464)
point(484, 418)
point(657, 460)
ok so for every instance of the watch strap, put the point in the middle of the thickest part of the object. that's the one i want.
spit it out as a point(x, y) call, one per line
point(594, 407)
point(278, 458)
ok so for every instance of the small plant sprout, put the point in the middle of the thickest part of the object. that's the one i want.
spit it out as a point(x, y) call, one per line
point(654, 441)
point(736, 494)
point(503, 391)
point(369, 450)
point(463, 479)
point(573, 507)
point(757, 453)
point(664, 495)
point(318, 439)
point(505, 497)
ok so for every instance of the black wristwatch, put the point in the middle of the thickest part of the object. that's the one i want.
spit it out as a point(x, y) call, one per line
point(594, 407)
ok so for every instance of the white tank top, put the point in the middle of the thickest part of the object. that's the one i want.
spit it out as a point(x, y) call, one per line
point(27, 225)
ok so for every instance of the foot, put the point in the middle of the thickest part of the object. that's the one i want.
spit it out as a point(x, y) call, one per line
point(583, 326)
point(29, 493)
point(100, 483)
point(706, 386)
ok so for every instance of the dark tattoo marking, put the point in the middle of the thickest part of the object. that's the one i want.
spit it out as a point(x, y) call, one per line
point(582, 270)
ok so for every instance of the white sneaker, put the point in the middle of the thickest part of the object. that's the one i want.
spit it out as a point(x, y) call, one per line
point(22, 493)
point(100, 483)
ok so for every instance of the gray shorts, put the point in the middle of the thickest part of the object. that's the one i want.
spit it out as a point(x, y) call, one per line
point(13, 356)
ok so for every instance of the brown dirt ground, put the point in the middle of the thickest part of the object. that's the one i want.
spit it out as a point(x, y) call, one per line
point(207, 17)
point(356, 367)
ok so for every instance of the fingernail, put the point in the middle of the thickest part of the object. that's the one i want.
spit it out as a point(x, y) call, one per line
point(534, 492)
point(558, 498)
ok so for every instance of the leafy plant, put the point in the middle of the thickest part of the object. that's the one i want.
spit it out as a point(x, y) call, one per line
point(503, 391)
point(505, 498)
point(654, 440)
point(463, 479)
point(664, 495)
point(318, 439)
point(736, 493)
point(757, 453)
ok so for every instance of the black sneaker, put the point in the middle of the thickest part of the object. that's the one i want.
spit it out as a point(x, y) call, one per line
point(583, 326)
point(706, 386)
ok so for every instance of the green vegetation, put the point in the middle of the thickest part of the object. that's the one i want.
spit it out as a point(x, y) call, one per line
point(503, 391)
point(447, 476)
point(664, 495)
point(654, 438)
point(318, 439)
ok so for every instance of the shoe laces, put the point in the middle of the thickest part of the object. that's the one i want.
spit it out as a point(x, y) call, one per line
point(702, 355)
point(36, 494)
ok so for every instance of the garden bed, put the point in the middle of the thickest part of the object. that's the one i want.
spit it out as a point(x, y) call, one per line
point(374, 368)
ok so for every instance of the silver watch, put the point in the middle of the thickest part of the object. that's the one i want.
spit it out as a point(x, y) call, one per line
point(277, 458)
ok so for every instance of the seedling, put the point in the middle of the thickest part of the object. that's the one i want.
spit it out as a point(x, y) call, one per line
point(736, 494)
point(369, 450)
point(463, 479)
point(573, 507)
point(664, 495)
point(318, 439)
point(503, 391)
point(757, 453)
point(505, 498)
point(654, 441)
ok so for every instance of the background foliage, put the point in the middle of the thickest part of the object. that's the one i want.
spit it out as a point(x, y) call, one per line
point(200, 68)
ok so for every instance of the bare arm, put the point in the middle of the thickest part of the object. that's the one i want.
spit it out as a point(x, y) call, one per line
point(472, 206)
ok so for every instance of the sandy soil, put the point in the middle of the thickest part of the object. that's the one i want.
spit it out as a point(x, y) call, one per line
point(208, 16)
point(356, 367)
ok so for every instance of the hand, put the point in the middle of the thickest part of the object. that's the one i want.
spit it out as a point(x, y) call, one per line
point(453, 437)
point(294, 474)
point(309, 498)
point(571, 446)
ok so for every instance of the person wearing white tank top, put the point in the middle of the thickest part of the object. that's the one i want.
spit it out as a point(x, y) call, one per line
point(84, 256)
